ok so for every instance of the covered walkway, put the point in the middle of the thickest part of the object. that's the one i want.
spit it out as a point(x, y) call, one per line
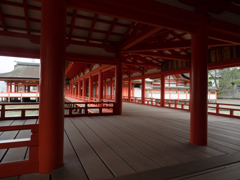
point(144, 139)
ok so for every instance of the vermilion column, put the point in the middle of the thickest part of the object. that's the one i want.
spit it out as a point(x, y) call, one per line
point(51, 110)
point(83, 89)
point(111, 91)
point(118, 89)
point(162, 90)
point(7, 87)
point(100, 86)
point(129, 90)
point(10, 87)
point(90, 88)
point(106, 90)
point(79, 89)
point(143, 91)
point(199, 87)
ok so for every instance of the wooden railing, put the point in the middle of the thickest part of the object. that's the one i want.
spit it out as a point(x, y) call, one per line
point(219, 109)
point(84, 108)
point(25, 166)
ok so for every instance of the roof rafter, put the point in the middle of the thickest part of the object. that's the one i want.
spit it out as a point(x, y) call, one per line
point(2, 20)
point(139, 37)
point(110, 30)
point(26, 16)
point(166, 56)
point(127, 32)
point(92, 27)
point(183, 44)
point(72, 24)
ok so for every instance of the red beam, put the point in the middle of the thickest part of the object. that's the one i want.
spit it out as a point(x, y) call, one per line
point(36, 39)
point(72, 24)
point(127, 32)
point(110, 30)
point(161, 46)
point(35, 53)
point(92, 27)
point(26, 15)
point(2, 20)
point(140, 37)
point(91, 59)
point(163, 55)
point(157, 14)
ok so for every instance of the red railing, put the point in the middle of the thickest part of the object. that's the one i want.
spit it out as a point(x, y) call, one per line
point(86, 108)
point(25, 166)
point(219, 109)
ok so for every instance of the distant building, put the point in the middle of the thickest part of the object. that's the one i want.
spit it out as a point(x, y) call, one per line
point(22, 84)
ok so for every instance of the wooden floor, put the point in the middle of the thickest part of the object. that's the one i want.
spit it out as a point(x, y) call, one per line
point(144, 143)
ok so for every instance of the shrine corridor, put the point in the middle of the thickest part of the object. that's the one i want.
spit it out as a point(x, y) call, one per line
point(144, 139)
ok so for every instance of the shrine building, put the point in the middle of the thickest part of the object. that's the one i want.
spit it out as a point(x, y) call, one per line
point(95, 57)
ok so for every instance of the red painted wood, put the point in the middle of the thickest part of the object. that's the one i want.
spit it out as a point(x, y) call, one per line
point(51, 107)
point(162, 90)
point(143, 91)
point(199, 87)
point(118, 89)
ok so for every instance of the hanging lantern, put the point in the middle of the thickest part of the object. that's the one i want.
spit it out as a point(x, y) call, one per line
point(67, 80)
point(74, 86)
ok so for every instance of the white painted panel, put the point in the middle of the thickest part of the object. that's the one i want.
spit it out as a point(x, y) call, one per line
point(166, 96)
point(182, 96)
point(213, 96)
point(3, 94)
point(157, 96)
point(188, 96)
point(174, 96)
point(15, 94)
point(137, 92)
point(29, 95)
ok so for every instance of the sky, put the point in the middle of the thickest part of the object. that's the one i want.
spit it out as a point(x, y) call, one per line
point(7, 65)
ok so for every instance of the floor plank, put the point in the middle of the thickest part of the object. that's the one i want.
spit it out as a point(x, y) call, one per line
point(93, 165)
point(114, 162)
point(72, 168)
point(136, 159)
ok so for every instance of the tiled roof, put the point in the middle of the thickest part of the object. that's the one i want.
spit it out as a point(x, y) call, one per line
point(23, 70)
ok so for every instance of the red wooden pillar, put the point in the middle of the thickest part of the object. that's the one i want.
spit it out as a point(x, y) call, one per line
point(28, 88)
point(143, 91)
point(129, 90)
point(106, 90)
point(83, 89)
point(10, 87)
point(51, 110)
point(7, 87)
point(23, 88)
point(118, 89)
point(111, 91)
point(199, 87)
point(79, 89)
point(90, 88)
point(100, 86)
point(162, 90)
point(75, 91)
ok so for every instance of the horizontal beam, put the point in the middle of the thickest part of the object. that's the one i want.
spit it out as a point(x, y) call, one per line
point(157, 14)
point(149, 31)
point(91, 59)
point(165, 56)
point(170, 45)
point(35, 53)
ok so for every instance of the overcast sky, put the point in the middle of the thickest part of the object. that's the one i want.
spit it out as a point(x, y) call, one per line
point(7, 65)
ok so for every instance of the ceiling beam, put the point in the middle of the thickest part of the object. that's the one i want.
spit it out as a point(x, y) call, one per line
point(149, 31)
point(26, 16)
point(35, 53)
point(157, 14)
point(92, 27)
point(72, 24)
point(166, 56)
point(2, 20)
point(110, 30)
point(161, 46)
